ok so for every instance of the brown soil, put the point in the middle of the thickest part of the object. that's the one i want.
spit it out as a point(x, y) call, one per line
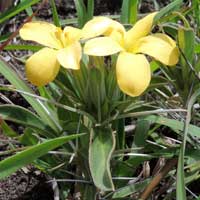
point(25, 186)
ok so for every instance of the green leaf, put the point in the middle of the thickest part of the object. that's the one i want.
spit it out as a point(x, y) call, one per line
point(4, 37)
point(130, 189)
point(81, 12)
point(186, 39)
point(37, 105)
point(7, 130)
point(154, 65)
point(55, 13)
point(23, 116)
point(196, 6)
point(23, 47)
point(129, 11)
point(28, 10)
point(197, 48)
point(102, 144)
point(84, 13)
point(88, 192)
point(180, 187)
point(17, 9)
point(15, 162)
point(168, 9)
point(44, 92)
point(90, 9)
point(120, 137)
point(28, 138)
point(141, 132)
point(174, 124)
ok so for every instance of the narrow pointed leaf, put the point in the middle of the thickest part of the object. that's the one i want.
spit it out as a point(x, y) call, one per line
point(17, 9)
point(174, 124)
point(180, 187)
point(81, 12)
point(90, 9)
point(28, 10)
point(168, 9)
point(22, 116)
point(129, 11)
point(15, 162)
point(55, 13)
point(141, 132)
point(7, 130)
point(130, 189)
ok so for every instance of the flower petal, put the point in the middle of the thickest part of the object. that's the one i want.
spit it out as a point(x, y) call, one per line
point(159, 46)
point(133, 73)
point(42, 67)
point(71, 34)
point(140, 29)
point(70, 56)
point(118, 37)
point(100, 26)
point(42, 32)
point(102, 46)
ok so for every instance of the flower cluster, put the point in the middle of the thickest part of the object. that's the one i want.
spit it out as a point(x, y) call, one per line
point(103, 37)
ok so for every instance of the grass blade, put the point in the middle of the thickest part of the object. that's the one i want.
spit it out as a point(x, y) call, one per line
point(81, 12)
point(129, 11)
point(23, 116)
point(23, 47)
point(130, 189)
point(90, 9)
point(56, 19)
point(28, 10)
point(168, 9)
point(174, 124)
point(17, 9)
point(15, 162)
point(180, 187)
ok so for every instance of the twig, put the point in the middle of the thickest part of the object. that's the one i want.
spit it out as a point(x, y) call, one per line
point(28, 19)
point(156, 180)
point(70, 180)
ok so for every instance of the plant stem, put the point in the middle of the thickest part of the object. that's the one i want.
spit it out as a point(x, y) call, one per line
point(156, 180)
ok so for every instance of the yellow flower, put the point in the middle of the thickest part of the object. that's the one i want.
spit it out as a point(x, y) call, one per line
point(62, 48)
point(132, 68)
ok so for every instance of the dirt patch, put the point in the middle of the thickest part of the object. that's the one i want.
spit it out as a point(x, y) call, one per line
point(26, 186)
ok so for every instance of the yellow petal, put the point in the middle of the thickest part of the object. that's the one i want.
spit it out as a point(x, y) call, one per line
point(42, 67)
point(70, 56)
point(140, 29)
point(133, 73)
point(159, 46)
point(42, 32)
point(71, 34)
point(100, 26)
point(102, 46)
point(118, 37)
point(115, 26)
